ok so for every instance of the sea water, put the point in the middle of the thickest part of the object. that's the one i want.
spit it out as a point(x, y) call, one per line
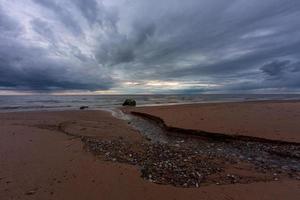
point(73, 102)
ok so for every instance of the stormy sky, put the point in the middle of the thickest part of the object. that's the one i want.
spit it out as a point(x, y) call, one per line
point(143, 46)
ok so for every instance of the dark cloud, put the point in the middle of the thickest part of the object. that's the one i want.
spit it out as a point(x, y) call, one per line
point(20, 69)
point(8, 26)
point(44, 29)
point(27, 66)
point(275, 68)
point(90, 9)
point(62, 13)
point(92, 44)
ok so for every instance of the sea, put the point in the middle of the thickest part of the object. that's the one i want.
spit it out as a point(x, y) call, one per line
point(98, 102)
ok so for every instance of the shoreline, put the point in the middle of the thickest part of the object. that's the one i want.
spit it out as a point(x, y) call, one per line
point(70, 108)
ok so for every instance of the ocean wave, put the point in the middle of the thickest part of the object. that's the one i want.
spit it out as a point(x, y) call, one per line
point(31, 107)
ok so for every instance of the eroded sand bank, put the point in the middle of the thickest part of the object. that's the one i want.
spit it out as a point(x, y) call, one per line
point(270, 120)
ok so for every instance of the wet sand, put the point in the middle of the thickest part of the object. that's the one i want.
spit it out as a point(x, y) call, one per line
point(40, 161)
point(270, 120)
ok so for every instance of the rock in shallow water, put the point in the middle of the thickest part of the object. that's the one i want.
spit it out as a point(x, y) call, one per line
point(83, 107)
point(129, 102)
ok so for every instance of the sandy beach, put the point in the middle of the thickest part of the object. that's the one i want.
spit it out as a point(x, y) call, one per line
point(92, 155)
point(274, 120)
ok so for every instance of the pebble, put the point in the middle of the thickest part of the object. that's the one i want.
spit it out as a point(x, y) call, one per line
point(188, 165)
point(31, 192)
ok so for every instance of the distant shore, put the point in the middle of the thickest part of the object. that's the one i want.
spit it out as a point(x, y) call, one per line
point(90, 154)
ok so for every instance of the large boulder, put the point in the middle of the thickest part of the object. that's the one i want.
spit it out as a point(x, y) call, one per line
point(83, 107)
point(129, 102)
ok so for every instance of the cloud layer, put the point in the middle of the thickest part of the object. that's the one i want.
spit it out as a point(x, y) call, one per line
point(127, 45)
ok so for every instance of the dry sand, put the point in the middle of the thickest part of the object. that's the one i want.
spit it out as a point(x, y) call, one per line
point(37, 161)
point(269, 120)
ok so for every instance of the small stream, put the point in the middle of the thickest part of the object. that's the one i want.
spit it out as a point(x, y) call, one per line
point(147, 128)
point(279, 157)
